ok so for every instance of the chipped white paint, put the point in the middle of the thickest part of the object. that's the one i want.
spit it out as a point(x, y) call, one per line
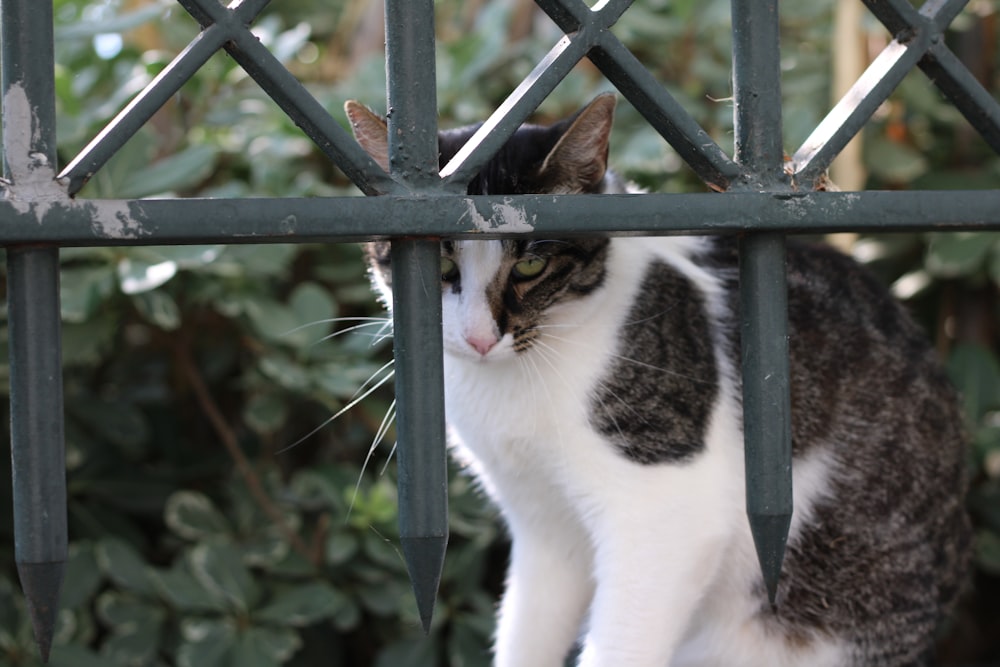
point(113, 219)
point(33, 188)
point(32, 177)
point(506, 217)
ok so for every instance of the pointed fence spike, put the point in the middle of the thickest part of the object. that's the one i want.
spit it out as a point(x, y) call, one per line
point(41, 583)
point(770, 532)
point(425, 561)
point(766, 403)
point(421, 454)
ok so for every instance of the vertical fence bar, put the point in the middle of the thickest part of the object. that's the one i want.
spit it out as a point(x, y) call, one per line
point(36, 420)
point(763, 288)
point(37, 446)
point(416, 267)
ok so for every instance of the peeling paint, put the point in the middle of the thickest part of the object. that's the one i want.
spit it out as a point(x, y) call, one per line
point(506, 217)
point(113, 219)
point(32, 184)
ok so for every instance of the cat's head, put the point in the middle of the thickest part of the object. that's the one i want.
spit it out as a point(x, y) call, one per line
point(498, 296)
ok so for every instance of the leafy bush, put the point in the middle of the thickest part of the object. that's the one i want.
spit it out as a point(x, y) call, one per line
point(218, 516)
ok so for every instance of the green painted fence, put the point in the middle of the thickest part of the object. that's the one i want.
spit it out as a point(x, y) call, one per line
point(764, 197)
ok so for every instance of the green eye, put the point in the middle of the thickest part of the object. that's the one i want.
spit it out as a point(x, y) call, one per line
point(529, 268)
point(449, 271)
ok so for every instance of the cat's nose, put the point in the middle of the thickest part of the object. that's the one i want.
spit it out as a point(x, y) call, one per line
point(481, 344)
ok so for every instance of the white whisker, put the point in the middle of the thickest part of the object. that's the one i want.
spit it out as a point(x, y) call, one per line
point(620, 357)
point(355, 330)
point(596, 395)
point(383, 428)
point(344, 409)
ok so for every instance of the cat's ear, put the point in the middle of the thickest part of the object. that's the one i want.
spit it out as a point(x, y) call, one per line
point(370, 130)
point(579, 160)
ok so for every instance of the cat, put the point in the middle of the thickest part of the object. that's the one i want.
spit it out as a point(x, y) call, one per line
point(592, 385)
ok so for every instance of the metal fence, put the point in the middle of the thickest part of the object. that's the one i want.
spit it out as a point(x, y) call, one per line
point(765, 198)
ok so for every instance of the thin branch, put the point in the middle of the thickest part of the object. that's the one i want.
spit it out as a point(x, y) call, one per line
point(229, 441)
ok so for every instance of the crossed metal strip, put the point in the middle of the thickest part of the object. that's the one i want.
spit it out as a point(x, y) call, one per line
point(918, 41)
point(229, 28)
point(588, 34)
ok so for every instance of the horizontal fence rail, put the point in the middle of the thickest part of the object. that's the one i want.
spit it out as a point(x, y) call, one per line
point(765, 198)
point(88, 222)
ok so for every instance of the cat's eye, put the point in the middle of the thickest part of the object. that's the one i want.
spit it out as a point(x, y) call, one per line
point(529, 268)
point(449, 270)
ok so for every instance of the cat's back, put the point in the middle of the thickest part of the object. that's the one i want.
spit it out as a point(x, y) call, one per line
point(882, 554)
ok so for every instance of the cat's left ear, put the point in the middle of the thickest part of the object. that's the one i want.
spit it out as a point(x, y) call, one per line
point(370, 130)
point(580, 158)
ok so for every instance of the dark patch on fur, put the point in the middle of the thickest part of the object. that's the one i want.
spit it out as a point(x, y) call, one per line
point(516, 168)
point(655, 401)
point(576, 267)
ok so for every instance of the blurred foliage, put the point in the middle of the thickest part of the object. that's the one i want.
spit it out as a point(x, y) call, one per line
point(219, 515)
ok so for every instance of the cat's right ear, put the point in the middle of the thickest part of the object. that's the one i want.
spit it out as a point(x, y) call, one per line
point(370, 130)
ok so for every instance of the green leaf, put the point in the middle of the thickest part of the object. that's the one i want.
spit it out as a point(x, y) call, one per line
point(422, 652)
point(303, 605)
point(894, 161)
point(468, 648)
point(181, 170)
point(975, 372)
point(118, 23)
point(158, 308)
point(271, 259)
point(264, 647)
point(340, 548)
point(266, 413)
point(193, 516)
point(184, 256)
point(118, 422)
point(219, 568)
point(348, 617)
point(993, 263)
point(136, 624)
point(954, 254)
point(82, 290)
point(206, 642)
point(383, 552)
point(74, 655)
point(123, 565)
point(272, 321)
point(386, 597)
point(987, 550)
point(10, 613)
point(284, 371)
point(312, 306)
point(179, 588)
point(83, 576)
point(136, 276)
point(86, 343)
point(267, 549)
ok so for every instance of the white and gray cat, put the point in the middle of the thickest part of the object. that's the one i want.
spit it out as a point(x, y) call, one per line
point(593, 387)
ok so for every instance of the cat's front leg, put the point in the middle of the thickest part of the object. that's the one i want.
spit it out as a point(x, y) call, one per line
point(639, 616)
point(658, 559)
point(548, 590)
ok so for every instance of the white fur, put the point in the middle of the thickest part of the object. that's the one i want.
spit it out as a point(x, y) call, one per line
point(653, 563)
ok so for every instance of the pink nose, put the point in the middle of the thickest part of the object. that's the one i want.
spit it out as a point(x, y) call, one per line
point(481, 344)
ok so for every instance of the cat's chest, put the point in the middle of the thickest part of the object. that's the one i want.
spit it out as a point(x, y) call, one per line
point(543, 395)
point(534, 410)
